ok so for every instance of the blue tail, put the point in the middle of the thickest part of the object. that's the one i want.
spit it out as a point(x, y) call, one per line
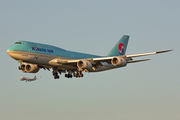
point(120, 47)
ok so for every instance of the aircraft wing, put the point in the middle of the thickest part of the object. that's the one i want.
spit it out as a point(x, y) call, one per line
point(130, 56)
point(38, 78)
point(105, 59)
point(145, 54)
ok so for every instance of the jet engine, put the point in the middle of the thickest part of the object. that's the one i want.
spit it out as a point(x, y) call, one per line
point(118, 61)
point(29, 68)
point(84, 64)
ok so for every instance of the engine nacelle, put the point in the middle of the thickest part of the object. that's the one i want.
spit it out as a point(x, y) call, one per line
point(23, 67)
point(29, 68)
point(84, 64)
point(118, 61)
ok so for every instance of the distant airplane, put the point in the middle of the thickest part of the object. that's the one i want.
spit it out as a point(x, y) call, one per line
point(28, 79)
point(36, 56)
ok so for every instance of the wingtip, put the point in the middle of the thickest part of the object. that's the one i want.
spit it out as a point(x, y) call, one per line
point(169, 50)
point(164, 51)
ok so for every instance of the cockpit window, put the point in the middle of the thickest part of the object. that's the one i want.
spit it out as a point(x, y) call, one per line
point(18, 43)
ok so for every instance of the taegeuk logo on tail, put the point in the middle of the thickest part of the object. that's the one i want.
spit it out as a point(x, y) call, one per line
point(121, 49)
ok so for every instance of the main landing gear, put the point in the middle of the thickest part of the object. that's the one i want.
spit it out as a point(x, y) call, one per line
point(78, 74)
point(69, 75)
point(55, 74)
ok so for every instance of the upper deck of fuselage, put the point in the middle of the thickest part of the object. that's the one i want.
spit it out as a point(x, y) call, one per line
point(26, 44)
point(39, 48)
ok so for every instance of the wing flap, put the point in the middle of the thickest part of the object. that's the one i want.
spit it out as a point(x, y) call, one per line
point(134, 61)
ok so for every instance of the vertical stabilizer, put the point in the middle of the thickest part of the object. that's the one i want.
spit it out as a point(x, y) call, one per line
point(120, 47)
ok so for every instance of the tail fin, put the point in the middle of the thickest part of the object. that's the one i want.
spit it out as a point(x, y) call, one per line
point(34, 77)
point(120, 47)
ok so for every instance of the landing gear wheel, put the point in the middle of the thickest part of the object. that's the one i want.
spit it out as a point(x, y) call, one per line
point(55, 74)
point(81, 75)
point(78, 74)
point(68, 75)
point(56, 77)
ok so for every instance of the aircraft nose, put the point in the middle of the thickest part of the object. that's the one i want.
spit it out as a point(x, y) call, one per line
point(10, 52)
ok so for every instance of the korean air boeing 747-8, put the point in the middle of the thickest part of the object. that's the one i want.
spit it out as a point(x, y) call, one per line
point(34, 56)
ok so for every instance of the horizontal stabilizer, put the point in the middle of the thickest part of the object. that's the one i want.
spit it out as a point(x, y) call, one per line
point(134, 61)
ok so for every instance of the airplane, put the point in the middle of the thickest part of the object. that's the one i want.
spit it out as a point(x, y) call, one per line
point(28, 79)
point(34, 56)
